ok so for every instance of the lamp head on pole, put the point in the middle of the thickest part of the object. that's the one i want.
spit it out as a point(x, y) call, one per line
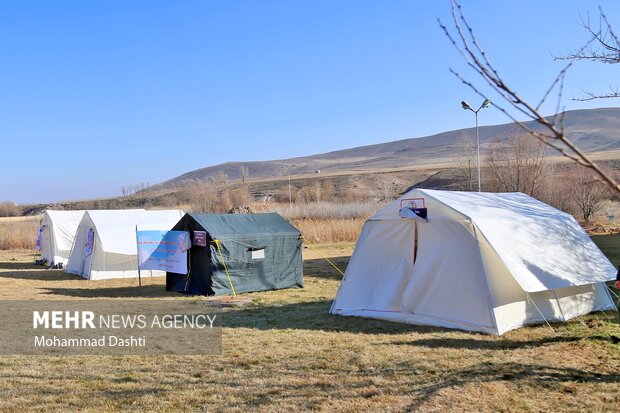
point(486, 103)
point(465, 105)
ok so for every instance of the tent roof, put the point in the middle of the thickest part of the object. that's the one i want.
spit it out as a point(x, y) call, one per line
point(543, 247)
point(497, 205)
point(230, 225)
point(116, 229)
point(59, 216)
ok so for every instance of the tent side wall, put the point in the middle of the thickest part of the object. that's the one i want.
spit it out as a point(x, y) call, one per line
point(107, 265)
point(76, 262)
point(379, 270)
point(514, 308)
point(449, 282)
point(58, 235)
point(48, 249)
point(256, 263)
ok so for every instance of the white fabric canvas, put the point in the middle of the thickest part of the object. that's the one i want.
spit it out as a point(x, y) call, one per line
point(58, 232)
point(486, 262)
point(114, 251)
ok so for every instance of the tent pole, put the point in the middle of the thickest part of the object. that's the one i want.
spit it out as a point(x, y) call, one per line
point(562, 312)
point(415, 241)
point(139, 276)
point(594, 292)
point(73, 244)
point(559, 306)
point(539, 312)
point(609, 292)
point(189, 268)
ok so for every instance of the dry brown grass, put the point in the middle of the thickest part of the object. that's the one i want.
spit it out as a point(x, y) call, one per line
point(285, 353)
point(320, 210)
point(18, 232)
point(324, 222)
point(317, 231)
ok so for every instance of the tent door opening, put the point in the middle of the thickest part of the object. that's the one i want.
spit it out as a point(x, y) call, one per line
point(415, 241)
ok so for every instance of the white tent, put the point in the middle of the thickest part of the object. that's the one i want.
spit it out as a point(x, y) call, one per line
point(105, 242)
point(489, 262)
point(56, 234)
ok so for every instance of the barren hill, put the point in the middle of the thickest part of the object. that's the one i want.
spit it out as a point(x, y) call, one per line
point(594, 130)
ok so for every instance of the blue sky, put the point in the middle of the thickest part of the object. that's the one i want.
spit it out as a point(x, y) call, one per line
point(101, 94)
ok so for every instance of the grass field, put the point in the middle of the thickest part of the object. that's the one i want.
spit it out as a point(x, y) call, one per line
point(283, 352)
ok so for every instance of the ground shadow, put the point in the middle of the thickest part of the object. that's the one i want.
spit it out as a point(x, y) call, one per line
point(134, 291)
point(321, 268)
point(16, 265)
point(40, 275)
point(313, 316)
point(488, 344)
point(532, 374)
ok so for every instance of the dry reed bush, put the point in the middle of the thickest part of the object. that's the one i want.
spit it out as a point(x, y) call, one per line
point(18, 232)
point(319, 231)
point(321, 210)
point(324, 222)
point(210, 197)
point(9, 209)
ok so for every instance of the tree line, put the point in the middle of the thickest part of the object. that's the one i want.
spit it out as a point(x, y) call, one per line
point(519, 162)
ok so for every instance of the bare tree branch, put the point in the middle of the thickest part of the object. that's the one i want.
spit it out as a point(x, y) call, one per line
point(603, 47)
point(588, 96)
point(552, 130)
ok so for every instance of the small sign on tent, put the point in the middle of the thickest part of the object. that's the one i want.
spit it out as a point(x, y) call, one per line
point(90, 242)
point(413, 208)
point(37, 243)
point(163, 250)
point(200, 238)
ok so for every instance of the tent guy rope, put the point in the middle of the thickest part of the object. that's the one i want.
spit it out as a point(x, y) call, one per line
point(217, 243)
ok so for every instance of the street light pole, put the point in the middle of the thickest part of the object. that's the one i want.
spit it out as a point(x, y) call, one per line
point(466, 106)
point(478, 146)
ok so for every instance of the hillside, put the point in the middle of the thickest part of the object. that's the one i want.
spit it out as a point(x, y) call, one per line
point(594, 130)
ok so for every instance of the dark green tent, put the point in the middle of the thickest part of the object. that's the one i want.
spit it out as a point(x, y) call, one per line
point(260, 251)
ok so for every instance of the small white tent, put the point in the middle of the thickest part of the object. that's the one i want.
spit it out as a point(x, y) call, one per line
point(105, 242)
point(489, 262)
point(56, 234)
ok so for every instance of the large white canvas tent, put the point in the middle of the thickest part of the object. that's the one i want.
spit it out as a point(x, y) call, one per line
point(489, 262)
point(110, 250)
point(56, 234)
